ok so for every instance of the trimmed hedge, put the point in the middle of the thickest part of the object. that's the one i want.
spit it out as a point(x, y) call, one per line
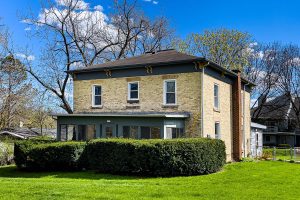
point(22, 148)
point(50, 156)
point(126, 156)
point(157, 157)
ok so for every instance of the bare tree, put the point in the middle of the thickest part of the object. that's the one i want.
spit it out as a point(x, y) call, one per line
point(77, 35)
point(263, 68)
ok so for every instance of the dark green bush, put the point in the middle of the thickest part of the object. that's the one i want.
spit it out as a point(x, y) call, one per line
point(22, 148)
point(56, 156)
point(157, 157)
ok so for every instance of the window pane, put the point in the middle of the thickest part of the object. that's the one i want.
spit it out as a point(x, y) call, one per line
point(134, 132)
point(81, 132)
point(90, 132)
point(133, 86)
point(126, 131)
point(63, 132)
point(217, 130)
point(170, 98)
point(134, 95)
point(109, 131)
point(170, 86)
point(97, 90)
point(216, 96)
point(155, 133)
point(71, 132)
point(145, 132)
point(97, 100)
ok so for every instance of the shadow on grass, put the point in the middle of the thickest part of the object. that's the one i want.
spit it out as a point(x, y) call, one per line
point(11, 171)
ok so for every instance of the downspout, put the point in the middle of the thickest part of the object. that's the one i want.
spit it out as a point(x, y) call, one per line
point(244, 132)
point(202, 102)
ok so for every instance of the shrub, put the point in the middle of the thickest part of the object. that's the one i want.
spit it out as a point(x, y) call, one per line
point(157, 157)
point(6, 153)
point(22, 148)
point(284, 146)
point(56, 156)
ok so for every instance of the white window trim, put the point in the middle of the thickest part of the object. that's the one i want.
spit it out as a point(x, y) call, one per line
point(216, 108)
point(93, 95)
point(219, 136)
point(165, 90)
point(128, 90)
point(165, 129)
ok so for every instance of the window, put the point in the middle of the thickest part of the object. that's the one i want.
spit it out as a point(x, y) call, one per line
point(174, 132)
point(216, 96)
point(217, 130)
point(67, 132)
point(268, 138)
point(130, 132)
point(97, 100)
point(86, 132)
point(170, 92)
point(109, 131)
point(150, 132)
point(133, 91)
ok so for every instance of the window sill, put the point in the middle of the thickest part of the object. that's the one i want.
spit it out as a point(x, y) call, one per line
point(132, 107)
point(96, 107)
point(170, 106)
point(216, 110)
point(131, 101)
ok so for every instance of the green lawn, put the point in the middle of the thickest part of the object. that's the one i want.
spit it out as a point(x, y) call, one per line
point(248, 180)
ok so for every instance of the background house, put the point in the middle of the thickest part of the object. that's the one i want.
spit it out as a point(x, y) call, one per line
point(280, 118)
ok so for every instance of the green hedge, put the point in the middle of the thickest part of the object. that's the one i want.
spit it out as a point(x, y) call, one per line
point(50, 156)
point(22, 148)
point(157, 157)
point(125, 156)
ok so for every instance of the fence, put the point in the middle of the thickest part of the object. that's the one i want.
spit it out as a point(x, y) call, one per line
point(282, 153)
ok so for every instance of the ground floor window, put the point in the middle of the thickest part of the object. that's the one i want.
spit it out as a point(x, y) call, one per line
point(67, 132)
point(150, 132)
point(268, 138)
point(109, 131)
point(86, 132)
point(173, 132)
point(130, 132)
point(217, 130)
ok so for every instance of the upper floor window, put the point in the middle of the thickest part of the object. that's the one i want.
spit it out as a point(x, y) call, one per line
point(133, 91)
point(97, 99)
point(170, 92)
point(217, 130)
point(216, 96)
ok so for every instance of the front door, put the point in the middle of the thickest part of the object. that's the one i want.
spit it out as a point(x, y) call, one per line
point(109, 131)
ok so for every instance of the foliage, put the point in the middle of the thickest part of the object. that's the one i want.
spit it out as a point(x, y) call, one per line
point(22, 149)
point(157, 157)
point(125, 156)
point(244, 180)
point(226, 47)
point(56, 156)
point(6, 153)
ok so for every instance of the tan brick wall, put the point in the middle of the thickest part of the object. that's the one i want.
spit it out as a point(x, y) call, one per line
point(114, 95)
point(224, 115)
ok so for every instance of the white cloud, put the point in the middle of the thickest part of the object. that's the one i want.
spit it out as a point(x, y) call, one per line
point(26, 57)
point(27, 29)
point(153, 1)
point(99, 8)
point(80, 4)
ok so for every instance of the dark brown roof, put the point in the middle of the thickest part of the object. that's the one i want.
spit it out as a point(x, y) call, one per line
point(165, 56)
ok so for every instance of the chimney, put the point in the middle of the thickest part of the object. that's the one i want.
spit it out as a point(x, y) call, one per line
point(237, 117)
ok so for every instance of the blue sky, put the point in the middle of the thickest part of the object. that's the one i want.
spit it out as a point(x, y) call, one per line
point(266, 20)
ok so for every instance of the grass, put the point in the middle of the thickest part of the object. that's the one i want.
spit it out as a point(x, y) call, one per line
point(246, 180)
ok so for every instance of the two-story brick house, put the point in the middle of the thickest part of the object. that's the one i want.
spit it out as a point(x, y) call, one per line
point(163, 94)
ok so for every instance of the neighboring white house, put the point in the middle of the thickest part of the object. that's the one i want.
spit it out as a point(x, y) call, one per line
point(257, 139)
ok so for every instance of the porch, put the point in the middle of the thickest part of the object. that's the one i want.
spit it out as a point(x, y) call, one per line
point(87, 126)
